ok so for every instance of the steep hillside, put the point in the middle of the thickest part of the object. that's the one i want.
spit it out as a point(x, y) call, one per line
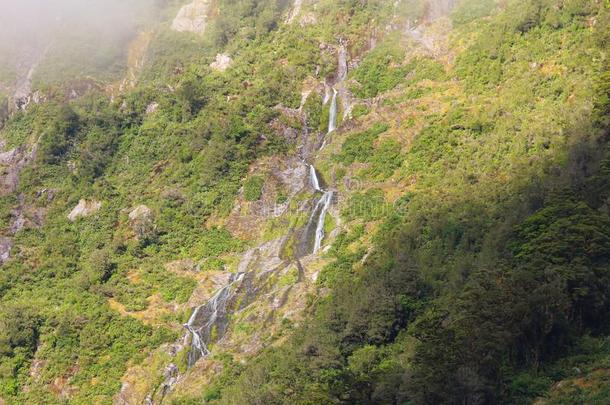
point(314, 202)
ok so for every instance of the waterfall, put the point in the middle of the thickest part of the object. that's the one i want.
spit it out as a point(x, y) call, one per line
point(319, 210)
point(209, 315)
point(315, 183)
point(324, 204)
point(318, 214)
point(332, 116)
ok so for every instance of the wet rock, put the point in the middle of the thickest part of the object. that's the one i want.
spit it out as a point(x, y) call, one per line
point(84, 209)
point(222, 63)
point(171, 375)
point(192, 17)
point(123, 397)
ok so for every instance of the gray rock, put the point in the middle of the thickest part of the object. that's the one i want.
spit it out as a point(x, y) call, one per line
point(6, 244)
point(192, 17)
point(84, 209)
point(222, 63)
point(152, 108)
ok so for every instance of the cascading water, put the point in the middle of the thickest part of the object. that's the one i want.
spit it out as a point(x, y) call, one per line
point(332, 116)
point(324, 204)
point(319, 211)
point(208, 316)
point(211, 318)
point(315, 183)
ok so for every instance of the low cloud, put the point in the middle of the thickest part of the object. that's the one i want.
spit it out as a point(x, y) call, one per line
point(28, 27)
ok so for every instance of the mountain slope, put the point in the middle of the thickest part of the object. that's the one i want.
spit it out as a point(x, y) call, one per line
point(318, 202)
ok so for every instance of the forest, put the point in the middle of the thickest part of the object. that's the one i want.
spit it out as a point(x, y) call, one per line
point(465, 256)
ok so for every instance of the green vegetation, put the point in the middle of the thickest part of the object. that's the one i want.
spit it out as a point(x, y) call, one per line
point(359, 147)
point(474, 292)
point(381, 70)
point(253, 188)
point(471, 267)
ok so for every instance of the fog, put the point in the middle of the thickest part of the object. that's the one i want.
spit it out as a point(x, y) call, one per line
point(29, 28)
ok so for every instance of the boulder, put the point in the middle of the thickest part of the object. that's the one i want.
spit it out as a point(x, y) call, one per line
point(222, 63)
point(84, 209)
point(139, 213)
point(192, 17)
point(141, 221)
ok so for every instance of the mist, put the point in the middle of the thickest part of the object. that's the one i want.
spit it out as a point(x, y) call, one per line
point(91, 32)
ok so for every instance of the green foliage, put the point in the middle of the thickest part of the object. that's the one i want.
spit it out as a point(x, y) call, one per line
point(217, 241)
point(253, 188)
point(57, 133)
point(380, 70)
point(468, 11)
point(360, 111)
point(313, 108)
point(385, 160)
point(476, 293)
point(359, 147)
point(245, 20)
point(368, 206)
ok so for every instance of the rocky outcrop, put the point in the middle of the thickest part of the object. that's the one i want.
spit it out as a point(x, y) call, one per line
point(84, 209)
point(222, 63)
point(11, 164)
point(139, 213)
point(141, 222)
point(192, 17)
point(6, 244)
point(136, 58)
point(295, 11)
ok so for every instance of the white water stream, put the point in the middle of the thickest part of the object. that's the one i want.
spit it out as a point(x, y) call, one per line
point(212, 311)
point(332, 115)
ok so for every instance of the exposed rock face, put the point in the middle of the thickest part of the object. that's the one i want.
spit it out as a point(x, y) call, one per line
point(141, 221)
point(11, 164)
point(192, 17)
point(24, 89)
point(84, 209)
point(222, 63)
point(136, 58)
point(5, 249)
point(294, 12)
point(140, 212)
